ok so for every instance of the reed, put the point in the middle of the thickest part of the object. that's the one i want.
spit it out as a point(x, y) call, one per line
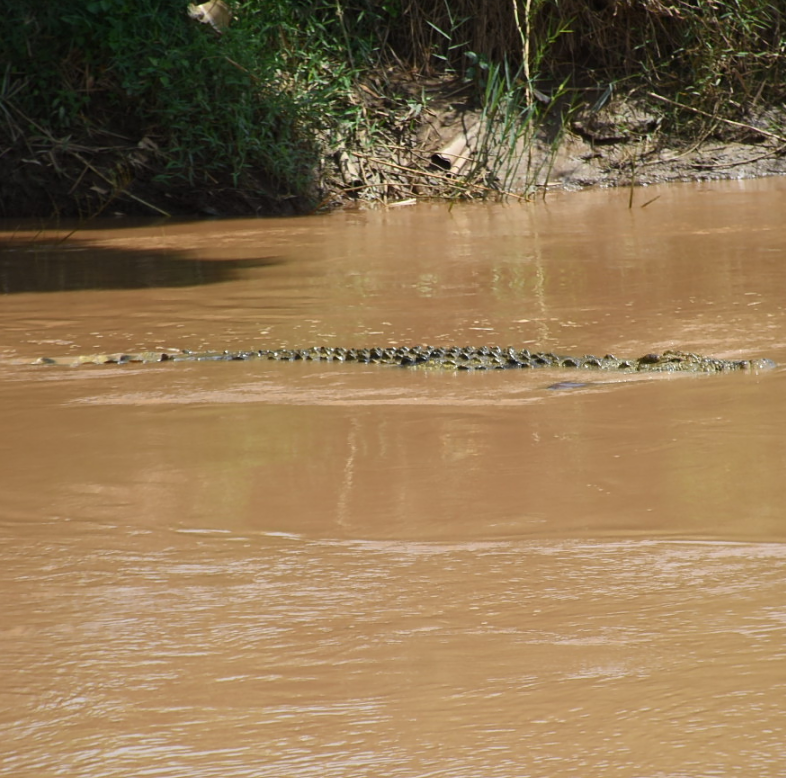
point(725, 57)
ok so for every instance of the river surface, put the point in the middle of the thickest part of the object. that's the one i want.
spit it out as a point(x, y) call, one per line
point(297, 570)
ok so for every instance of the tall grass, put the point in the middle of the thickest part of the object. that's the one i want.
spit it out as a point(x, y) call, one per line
point(721, 56)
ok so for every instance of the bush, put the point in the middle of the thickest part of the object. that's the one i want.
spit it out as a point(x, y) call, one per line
point(142, 68)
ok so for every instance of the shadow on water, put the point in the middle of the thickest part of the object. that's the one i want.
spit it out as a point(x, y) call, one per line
point(64, 268)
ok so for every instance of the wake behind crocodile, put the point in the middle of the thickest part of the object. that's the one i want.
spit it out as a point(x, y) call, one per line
point(441, 357)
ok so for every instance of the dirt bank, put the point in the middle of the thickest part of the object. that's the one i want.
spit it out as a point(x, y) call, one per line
point(431, 141)
point(628, 140)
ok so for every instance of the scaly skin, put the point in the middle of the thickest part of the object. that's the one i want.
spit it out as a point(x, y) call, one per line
point(451, 358)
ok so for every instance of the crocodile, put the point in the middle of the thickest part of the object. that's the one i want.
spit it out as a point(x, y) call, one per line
point(451, 358)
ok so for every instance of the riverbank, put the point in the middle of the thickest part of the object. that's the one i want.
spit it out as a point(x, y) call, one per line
point(291, 108)
point(456, 151)
point(441, 156)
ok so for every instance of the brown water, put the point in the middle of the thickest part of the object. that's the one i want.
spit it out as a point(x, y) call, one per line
point(293, 570)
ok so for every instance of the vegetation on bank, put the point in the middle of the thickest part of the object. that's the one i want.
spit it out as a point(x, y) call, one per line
point(132, 105)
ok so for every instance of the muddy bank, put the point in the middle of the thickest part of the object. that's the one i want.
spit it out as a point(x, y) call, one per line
point(457, 150)
point(432, 141)
point(622, 146)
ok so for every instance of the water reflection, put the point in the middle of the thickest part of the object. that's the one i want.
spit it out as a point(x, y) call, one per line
point(65, 268)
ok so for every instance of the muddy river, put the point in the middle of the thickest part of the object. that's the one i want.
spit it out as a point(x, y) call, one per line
point(275, 570)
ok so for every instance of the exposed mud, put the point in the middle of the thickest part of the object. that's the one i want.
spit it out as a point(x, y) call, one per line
point(629, 140)
point(623, 145)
